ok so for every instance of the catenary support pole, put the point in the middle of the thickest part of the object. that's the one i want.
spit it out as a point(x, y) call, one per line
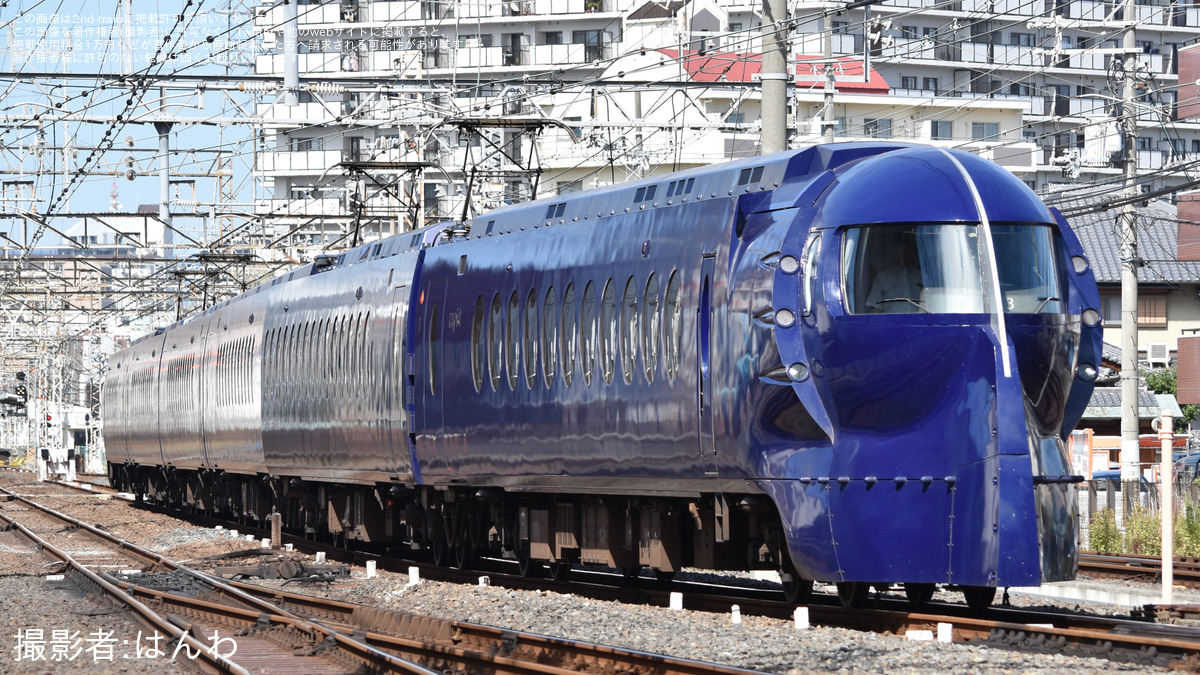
point(774, 76)
point(291, 48)
point(1166, 486)
point(827, 117)
point(1127, 221)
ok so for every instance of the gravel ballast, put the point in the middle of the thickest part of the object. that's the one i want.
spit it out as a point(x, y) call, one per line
point(758, 643)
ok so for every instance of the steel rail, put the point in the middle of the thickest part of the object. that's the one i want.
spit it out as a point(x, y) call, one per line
point(349, 644)
point(1013, 628)
point(211, 661)
point(1186, 569)
point(478, 648)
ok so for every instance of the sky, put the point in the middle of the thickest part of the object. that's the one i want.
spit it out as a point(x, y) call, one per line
point(45, 38)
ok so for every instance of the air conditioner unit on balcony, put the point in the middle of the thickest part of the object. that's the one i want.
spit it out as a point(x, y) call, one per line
point(1158, 353)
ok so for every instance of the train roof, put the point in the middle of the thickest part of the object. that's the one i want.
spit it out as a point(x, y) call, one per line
point(754, 174)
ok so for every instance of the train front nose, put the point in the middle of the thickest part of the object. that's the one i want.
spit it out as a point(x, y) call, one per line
point(946, 348)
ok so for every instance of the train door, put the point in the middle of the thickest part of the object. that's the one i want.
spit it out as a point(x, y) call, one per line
point(429, 369)
point(704, 311)
point(403, 443)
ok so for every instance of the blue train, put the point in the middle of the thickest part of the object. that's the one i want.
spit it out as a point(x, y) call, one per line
point(852, 363)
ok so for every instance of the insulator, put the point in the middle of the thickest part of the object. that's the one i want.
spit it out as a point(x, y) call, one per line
point(326, 88)
point(257, 87)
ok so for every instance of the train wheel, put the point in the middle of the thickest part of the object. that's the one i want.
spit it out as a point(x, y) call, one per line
point(525, 564)
point(919, 594)
point(796, 589)
point(631, 572)
point(853, 594)
point(464, 553)
point(559, 571)
point(440, 552)
point(979, 597)
point(664, 575)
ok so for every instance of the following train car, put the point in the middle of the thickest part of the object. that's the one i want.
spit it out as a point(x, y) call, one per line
point(852, 363)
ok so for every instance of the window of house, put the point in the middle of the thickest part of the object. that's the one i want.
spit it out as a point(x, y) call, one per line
point(1020, 89)
point(1145, 143)
point(1021, 39)
point(576, 131)
point(877, 128)
point(1152, 310)
point(592, 41)
point(929, 84)
point(553, 37)
point(908, 81)
point(908, 32)
point(985, 131)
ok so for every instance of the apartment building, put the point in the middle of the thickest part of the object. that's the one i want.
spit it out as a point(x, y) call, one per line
point(411, 111)
point(1060, 59)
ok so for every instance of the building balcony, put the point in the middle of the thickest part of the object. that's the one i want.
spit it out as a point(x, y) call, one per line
point(1018, 56)
point(478, 57)
point(1017, 7)
point(561, 6)
point(1154, 15)
point(910, 48)
point(1088, 10)
point(1090, 106)
point(302, 113)
point(394, 11)
point(1150, 160)
point(1185, 17)
point(311, 161)
point(564, 54)
point(1087, 61)
point(923, 4)
point(514, 56)
point(300, 207)
point(843, 43)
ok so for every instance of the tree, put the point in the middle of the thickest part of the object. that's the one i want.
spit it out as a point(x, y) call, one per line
point(1164, 381)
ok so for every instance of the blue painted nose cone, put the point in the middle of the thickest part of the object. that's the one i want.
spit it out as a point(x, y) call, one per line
point(924, 185)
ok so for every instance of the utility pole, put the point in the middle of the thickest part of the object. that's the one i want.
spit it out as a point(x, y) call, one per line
point(774, 76)
point(1130, 261)
point(827, 37)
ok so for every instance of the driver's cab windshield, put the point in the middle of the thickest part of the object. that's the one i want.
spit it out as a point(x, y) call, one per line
point(935, 269)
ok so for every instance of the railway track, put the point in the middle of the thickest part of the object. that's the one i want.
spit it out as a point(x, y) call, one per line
point(1116, 639)
point(290, 632)
point(1139, 567)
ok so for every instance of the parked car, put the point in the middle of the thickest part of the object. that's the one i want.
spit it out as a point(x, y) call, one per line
point(1187, 464)
point(1113, 476)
